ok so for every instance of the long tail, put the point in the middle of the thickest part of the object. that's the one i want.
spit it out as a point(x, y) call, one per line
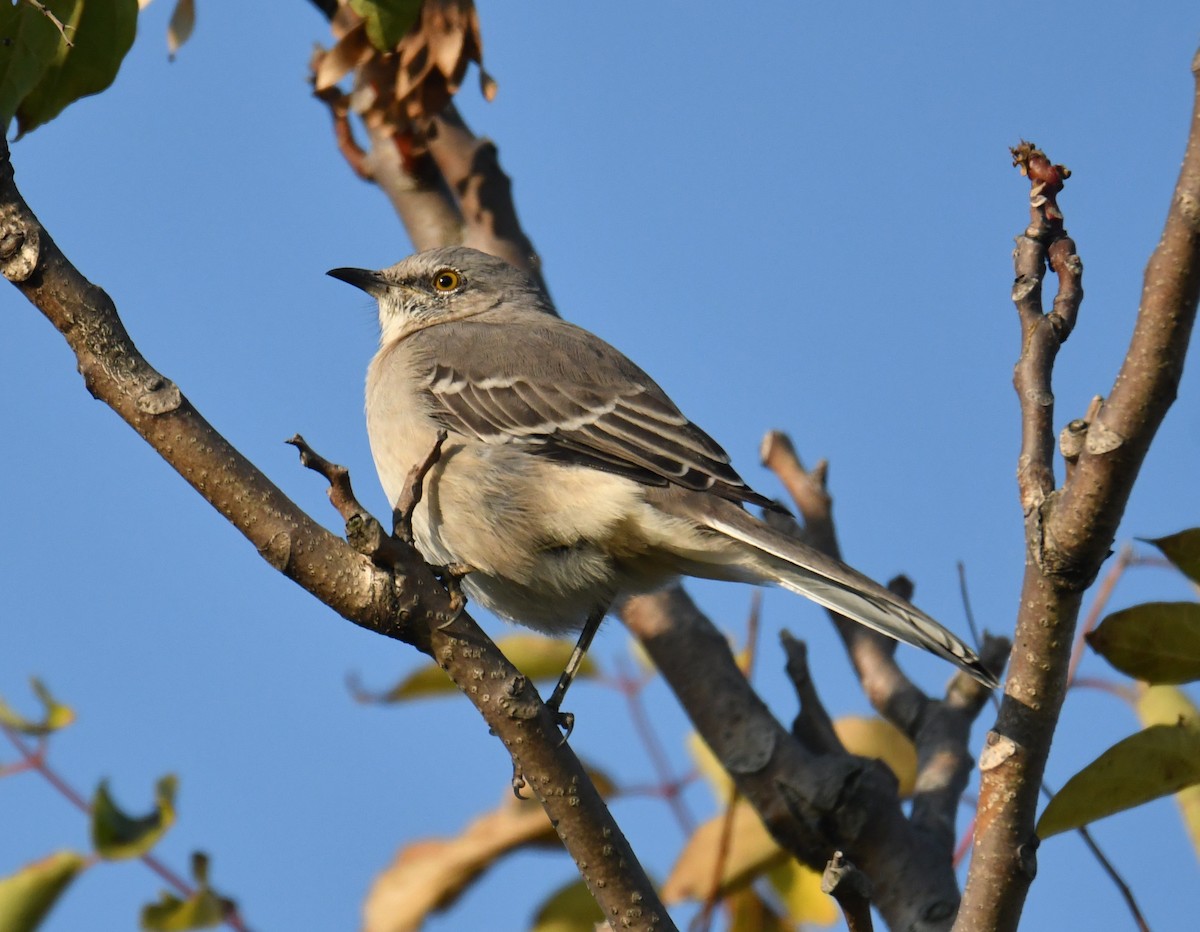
point(833, 584)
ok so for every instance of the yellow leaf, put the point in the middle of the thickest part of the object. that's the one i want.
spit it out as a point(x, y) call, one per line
point(1165, 705)
point(539, 658)
point(799, 886)
point(29, 894)
point(55, 715)
point(710, 768)
point(749, 912)
point(873, 737)
point(750, 852)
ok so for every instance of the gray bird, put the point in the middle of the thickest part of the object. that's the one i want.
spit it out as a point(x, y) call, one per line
point(568, 478)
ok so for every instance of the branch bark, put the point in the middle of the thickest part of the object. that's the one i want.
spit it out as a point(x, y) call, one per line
point(939, 729)
point(1070, 531)
point(815, 799)
point(404, 601)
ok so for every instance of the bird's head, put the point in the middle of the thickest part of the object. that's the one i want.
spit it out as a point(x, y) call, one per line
point(441, 285)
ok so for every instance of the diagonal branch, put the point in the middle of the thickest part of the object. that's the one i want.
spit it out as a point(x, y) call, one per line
point(407, 603)
point(1068, 536)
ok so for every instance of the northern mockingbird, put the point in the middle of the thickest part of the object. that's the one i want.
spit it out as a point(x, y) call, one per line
point(568, 478)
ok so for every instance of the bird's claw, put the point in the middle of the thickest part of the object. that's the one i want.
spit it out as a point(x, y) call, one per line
point(518, 781)
point(564, 720)
point(451, 575)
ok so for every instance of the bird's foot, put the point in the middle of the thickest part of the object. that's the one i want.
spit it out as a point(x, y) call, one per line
point(564, 720)
point(518, 781)
point(451, 575)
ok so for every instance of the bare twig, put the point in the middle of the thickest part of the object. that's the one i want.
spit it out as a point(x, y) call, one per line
point(1069, 532)
point(704, 920)
point(1107, 866)
point(343, 133)
point(363, 532)
point(58, 23)
point(890, 692)
point(852, 890)
point(414, 489)
point(812, 725)
point(669, 785)
point(1118, 881)
point(1041, 334)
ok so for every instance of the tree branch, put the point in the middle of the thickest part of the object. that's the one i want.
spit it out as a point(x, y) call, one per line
point(471, 167)
point(852, 890)
point(1068, 536)
point(813, 804)
point(406, 603)
point(940, 730)
point(890, 692)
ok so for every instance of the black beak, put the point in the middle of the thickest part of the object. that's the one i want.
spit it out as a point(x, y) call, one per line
point(370, 282)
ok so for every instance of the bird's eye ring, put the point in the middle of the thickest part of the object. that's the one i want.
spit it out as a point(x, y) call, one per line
point(446, 280)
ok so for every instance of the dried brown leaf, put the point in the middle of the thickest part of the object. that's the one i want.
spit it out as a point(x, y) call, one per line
point(398, 92)
point(429, 875)
point(179, 29)
point(350, 51)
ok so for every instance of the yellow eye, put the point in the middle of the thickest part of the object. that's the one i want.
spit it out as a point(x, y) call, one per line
point(445, 281)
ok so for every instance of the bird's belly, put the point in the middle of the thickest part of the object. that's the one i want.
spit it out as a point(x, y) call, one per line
point(548, 544)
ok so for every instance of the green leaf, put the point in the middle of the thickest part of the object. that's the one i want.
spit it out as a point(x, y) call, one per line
point(55, 715)
point(1158, 642)
point(117, 835)
point(27, 896)
point(204, 909)
point(101, 33)
point(570, 908)
point(387, 20)
point(28, 43)
point(1182, 549)
point(1158, 761)
point(539, 658)
point(1167, 705)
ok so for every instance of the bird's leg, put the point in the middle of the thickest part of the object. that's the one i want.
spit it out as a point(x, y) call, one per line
point(451, 575)
point(566, 720)
point(414, 487)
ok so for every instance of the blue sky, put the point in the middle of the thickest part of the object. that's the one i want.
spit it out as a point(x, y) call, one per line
point(798, 217)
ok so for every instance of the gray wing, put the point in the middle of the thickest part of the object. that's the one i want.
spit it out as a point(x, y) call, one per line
point(564, 393)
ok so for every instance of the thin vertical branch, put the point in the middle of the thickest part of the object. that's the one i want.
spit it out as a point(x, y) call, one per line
point(1069, 532)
